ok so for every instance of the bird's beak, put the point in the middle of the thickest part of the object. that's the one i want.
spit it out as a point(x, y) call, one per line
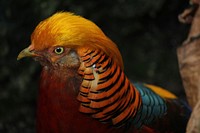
point(26, 53)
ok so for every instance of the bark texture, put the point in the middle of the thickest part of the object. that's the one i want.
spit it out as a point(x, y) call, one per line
point(189, 64)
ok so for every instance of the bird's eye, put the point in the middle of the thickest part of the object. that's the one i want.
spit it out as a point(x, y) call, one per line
point(59, 50)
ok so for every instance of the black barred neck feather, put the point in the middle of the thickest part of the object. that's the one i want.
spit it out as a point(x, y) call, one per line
point(106, 92)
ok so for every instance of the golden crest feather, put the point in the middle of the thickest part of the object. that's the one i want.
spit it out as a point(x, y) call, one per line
point(67, 29)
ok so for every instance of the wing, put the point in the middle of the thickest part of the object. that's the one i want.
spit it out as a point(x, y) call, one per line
point(106, 93)
point(161, 110)
point(153, 106)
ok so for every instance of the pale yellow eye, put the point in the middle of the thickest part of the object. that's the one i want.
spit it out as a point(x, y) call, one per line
point(59, 50)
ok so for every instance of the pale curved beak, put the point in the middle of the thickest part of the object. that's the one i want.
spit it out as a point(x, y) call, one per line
point(26, 53)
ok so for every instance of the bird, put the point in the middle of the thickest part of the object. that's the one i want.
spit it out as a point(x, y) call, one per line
point(83, 86)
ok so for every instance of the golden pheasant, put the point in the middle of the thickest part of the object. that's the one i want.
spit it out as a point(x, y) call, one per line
point(83, 88)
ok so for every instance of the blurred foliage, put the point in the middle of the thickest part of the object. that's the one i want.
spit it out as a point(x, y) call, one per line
point(147, 33)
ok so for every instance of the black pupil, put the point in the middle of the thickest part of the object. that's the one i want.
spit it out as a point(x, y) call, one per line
point(58, 50)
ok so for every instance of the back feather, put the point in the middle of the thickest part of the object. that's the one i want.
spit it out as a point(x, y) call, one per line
point(107, 94)
point(168, 113)
point(153, 106)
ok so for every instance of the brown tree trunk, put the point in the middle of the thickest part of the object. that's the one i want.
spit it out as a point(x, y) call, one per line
point(189, 64)
point(194, 122)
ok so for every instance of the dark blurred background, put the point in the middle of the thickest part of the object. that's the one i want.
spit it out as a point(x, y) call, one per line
point(147, 33)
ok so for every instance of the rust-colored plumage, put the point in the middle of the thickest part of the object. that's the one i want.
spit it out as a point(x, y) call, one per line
point(83, 87)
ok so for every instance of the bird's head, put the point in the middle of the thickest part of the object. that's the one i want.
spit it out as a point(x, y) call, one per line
point(55, 41)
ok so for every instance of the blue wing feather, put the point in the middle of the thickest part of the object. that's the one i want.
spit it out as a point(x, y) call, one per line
point(153, 106)
point(161, 113)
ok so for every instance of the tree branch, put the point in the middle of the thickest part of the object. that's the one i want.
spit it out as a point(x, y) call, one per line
point(189, 65)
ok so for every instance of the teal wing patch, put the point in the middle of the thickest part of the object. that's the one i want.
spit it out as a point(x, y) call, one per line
point(153, 106)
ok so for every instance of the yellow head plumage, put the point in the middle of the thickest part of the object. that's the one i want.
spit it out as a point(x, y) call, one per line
point(67, 29)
